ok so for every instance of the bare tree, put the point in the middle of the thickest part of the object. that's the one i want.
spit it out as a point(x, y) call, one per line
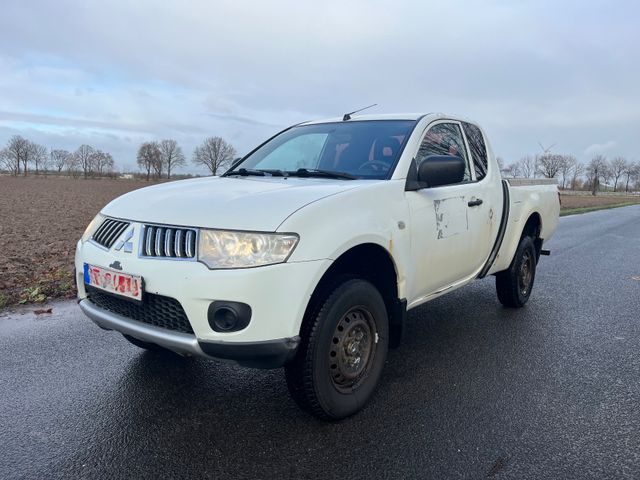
point(4, 161)
point(618, 166)
point(172, 156)
point(149, 155)
point(38, 156)
point(528, 166)
point(607, 174)
point(101, 162)
point(83, 155)
point(13, 153)
point(214, 153)
point(158, 164)
point(549, 164)
point(514, 169)
point(59, 159)
point(596, 171)
point(565, 168)
point(16, 154)
point(73, 165)
point(631, 170)
point(577, 169)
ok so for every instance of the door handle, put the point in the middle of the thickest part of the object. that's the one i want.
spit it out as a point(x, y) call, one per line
point(475, 203)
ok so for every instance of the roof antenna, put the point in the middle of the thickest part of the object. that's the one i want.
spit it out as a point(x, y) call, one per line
point(347, 116)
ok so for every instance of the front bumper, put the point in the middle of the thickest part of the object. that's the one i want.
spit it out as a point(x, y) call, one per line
point(277, 294)
point(266, 354)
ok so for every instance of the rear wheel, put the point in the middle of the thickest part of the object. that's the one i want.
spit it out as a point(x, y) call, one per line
point(514, 285)
point(145, 345)
point(342, 351)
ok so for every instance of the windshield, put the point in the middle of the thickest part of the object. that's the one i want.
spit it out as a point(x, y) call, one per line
point(360, 149)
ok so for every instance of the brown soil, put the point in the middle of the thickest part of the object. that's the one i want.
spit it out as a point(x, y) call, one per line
point(41, 219)
point(580, 201)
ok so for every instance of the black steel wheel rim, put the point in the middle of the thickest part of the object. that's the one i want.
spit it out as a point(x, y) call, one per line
point(352, 350)
point(525, 275)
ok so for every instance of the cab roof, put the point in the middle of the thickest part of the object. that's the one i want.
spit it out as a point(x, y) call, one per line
point(378, 116)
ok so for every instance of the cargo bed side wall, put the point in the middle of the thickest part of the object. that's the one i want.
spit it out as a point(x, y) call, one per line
point(526, 200)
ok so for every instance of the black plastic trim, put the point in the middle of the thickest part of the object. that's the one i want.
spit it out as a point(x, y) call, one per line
point(241, 310)
point(397, 320)
point(268, 354)
point(501, 230)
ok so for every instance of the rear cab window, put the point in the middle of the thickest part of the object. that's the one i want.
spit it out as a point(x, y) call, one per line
point(478, 149)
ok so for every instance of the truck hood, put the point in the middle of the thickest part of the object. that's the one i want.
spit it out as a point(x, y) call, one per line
point(246, 203)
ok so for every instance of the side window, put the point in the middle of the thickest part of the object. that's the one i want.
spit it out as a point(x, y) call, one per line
point(478, 149)
point(444, 139)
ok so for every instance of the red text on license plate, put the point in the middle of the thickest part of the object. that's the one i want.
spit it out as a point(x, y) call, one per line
point(111, 281)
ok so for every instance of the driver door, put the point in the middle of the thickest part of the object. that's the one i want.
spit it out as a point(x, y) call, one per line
point(443, 217)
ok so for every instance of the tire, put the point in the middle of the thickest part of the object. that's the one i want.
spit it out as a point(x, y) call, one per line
point(144, 345)
point(514, 285)
point(342, 351)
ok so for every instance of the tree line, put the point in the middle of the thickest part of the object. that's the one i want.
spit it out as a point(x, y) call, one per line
point(21, 155)
point(618, 172)
point(155, 158)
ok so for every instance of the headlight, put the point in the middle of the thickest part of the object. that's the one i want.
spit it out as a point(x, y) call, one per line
point(227, 249)
point(92, 227)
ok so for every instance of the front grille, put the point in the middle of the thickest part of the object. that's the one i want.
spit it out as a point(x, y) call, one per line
point(109, 231)
point(158, 310)
point(169, 242)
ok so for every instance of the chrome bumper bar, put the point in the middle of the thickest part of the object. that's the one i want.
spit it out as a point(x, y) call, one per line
point(181, 343)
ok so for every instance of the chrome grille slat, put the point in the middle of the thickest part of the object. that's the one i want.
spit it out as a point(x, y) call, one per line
point(168, 238)
point(159, 233)
point(148, 241)
point(188, 239)
point(101, 232)
point(178, 243)
point(169, 242)
point(110, 230)
point(116, 233)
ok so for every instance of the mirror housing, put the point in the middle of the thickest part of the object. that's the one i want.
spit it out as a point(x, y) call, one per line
point(439, 170)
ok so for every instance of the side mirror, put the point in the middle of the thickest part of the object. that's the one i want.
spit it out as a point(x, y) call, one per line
point(437, 170)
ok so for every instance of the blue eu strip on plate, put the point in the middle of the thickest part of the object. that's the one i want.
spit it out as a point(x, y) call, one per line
point(87, 279)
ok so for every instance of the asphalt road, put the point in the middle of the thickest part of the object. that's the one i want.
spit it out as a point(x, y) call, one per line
point(548, 391)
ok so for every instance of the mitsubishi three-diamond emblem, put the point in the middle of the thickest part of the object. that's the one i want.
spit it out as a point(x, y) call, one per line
point(125, 241)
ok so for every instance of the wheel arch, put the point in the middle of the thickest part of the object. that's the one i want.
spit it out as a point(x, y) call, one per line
point(533, 228)
point(373, 263)
point(515, 231)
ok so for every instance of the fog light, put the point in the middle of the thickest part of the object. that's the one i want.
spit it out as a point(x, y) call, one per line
point(225, 319)
point(228, 316)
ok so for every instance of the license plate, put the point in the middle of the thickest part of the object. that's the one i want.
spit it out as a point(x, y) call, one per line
point(123, 284)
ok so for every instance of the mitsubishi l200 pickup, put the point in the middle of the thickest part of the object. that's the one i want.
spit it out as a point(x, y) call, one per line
point(309, 251)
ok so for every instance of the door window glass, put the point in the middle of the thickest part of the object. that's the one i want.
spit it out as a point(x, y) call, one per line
point(444, 139)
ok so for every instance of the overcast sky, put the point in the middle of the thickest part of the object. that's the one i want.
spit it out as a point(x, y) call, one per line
point(116, 73)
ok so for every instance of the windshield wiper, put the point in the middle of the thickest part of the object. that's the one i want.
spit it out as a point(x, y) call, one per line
point(245, 172)
point(314, 172)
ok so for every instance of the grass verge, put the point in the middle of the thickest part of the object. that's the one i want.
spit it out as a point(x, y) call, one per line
point(574, 211)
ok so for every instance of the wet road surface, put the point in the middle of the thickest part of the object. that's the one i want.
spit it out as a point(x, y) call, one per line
point(476, 390)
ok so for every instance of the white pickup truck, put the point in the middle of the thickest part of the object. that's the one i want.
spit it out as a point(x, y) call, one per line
point(310, 250)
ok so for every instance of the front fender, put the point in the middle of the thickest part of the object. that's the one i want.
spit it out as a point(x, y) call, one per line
point(376, 214)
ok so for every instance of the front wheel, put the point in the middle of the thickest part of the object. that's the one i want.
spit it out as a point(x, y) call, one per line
point(514, 284)
point(342, 351)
